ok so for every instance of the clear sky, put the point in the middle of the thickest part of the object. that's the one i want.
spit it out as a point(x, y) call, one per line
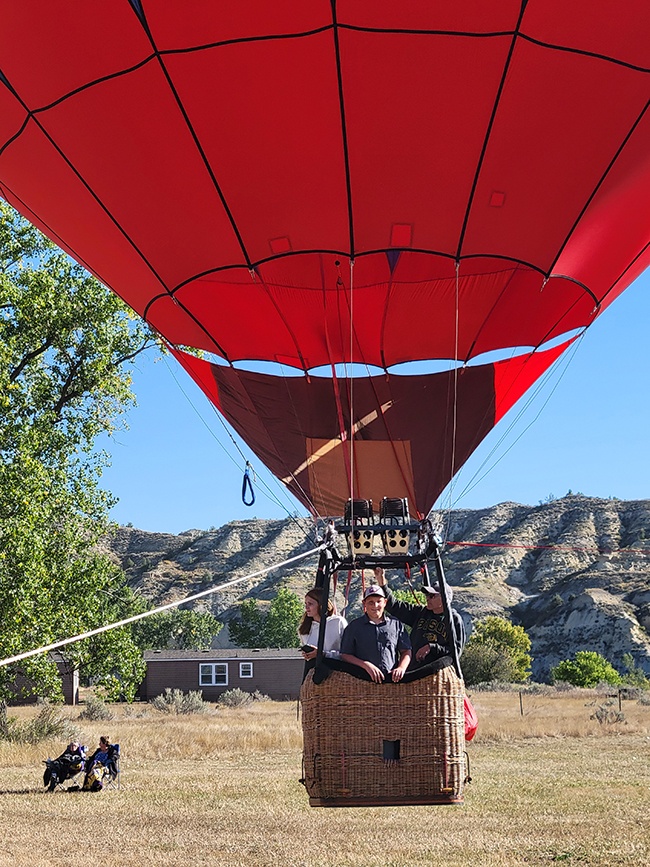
point(175, 468)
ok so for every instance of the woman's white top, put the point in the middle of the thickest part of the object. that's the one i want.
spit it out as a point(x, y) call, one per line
point(334, 628)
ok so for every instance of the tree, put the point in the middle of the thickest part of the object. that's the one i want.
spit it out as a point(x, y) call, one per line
point(66, 344)
point(587, 668)
point(276, 628)
point(496, 650)
point(186, 630)
point(634, 674)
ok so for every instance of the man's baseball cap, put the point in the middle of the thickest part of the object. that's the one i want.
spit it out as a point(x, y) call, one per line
point(374, 590)
point(434, 590)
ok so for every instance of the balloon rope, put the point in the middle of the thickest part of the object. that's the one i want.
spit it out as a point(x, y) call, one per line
point(455, 410)
point(351, 389)
point(166, 607)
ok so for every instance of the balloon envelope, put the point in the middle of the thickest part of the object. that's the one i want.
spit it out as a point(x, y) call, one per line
point(485, 167)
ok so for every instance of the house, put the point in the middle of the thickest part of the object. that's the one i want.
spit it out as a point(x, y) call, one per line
point(24, 691)
point(276, 673)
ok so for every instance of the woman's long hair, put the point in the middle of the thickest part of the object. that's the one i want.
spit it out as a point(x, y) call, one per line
point(315, 593)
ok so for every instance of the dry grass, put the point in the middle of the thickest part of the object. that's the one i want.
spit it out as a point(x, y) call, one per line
point(549, 787)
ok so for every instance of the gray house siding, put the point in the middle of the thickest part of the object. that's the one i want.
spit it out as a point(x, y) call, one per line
point(277, 676)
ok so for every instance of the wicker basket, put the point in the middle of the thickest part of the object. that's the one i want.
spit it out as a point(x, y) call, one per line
point(350, 726)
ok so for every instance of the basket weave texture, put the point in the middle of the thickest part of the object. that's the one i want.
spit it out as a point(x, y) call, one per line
point(346, 721)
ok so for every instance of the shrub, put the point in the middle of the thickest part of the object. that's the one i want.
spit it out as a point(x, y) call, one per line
point(588, 668)
point(48, 724)
point(634, 674)
point(496, 650)
point(607, 715)
point(96, 709)
point(260, 696)
point(176, 701)
point(235, 698)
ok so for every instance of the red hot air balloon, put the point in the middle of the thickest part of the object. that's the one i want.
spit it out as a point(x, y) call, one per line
point(480, 172)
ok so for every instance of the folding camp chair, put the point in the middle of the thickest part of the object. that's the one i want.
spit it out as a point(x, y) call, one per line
point(111, 775)
point(64, 774)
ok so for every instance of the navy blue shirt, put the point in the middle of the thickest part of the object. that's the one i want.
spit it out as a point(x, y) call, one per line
point(378, 643)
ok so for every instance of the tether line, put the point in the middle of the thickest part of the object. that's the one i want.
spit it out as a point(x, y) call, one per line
point(158, 610)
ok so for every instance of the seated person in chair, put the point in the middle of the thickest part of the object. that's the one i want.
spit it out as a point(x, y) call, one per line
point(376, 642)
point(103, 757)
point(69, 763)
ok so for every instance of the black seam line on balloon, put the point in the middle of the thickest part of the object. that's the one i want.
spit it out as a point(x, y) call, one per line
point(76, 256)
point(488, 132)
point(17, 135)
point(499, 33)
point(286, 324)
point(189, 313)
point(100, 203)
point(557, 325)
point(602, 180)
point(136, 6)
point(92, 193)
point(195, 137)
point(256, 264)
point(624, 271)
point(578, 283)
point(94, 82)
point(246, 39)
point(325, 28)
point(344, 131)
point(584, 53)
point(491, 311)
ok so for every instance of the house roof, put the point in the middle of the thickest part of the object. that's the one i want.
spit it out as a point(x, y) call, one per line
point(222, 654)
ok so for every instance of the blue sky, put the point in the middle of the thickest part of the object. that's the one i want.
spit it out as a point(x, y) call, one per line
point(175, 468)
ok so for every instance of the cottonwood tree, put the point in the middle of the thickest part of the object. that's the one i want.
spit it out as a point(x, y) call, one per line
point(587, 668)
point(186, 630)
point(66, 344)
point(277, 627)
point(497, 650)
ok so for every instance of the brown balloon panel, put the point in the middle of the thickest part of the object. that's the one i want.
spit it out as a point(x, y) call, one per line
point(413, 426)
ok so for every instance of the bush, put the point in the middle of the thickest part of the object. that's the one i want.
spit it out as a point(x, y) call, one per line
point(96, 709)
point(235, 698)
point(588, 668)
point(634, 675)
point(48, 724)
point(496, 650)
point(607, 715)
point(176, 701)
point(240, 698)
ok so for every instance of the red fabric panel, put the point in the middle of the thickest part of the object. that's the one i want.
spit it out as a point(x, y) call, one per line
point(475, 16)
point(618, 218)
point(12, 115)
point(426, 99)
point(182, 210)
point(513, 378)
point(394, 321)
point(272, 137)
point(610, 28)
point(67, 210)
point(48, 49)
point(201, 22)
point(548, 148)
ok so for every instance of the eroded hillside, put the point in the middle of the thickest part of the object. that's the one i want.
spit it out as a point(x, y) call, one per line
point(574, 572)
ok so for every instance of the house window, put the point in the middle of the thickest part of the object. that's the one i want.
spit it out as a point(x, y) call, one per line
point(245, 669)
point(213, 674)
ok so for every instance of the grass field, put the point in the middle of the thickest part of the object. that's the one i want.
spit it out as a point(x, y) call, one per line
point(551, 786)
